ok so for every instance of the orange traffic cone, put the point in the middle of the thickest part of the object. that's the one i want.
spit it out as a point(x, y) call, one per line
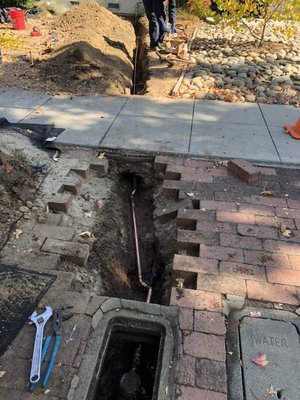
point(294, 131)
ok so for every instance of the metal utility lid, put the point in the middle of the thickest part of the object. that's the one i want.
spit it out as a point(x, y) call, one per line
point(270, 354)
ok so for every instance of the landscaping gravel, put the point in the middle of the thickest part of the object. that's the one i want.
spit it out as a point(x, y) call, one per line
point(228, 65)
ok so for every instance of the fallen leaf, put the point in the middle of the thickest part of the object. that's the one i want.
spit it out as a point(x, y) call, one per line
point(86, 234)
point(88, 214)
point(180, 283)
point(56, 156)
point(2, 373)
point(267, 193)
point(101, 156)
point(285, 232)
point(255, 314)
point(260, 360)
point(271, 391)
point(97, 205)
point(17, 233)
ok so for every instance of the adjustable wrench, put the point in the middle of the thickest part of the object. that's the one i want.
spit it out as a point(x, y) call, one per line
point(40, 321)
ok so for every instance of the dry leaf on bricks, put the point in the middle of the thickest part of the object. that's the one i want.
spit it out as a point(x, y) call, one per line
point(284, 231)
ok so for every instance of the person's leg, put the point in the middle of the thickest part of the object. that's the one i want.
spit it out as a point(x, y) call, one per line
point(153, 23)
point(159, 11)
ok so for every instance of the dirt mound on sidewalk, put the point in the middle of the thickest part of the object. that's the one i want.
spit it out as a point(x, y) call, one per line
point(94, 52)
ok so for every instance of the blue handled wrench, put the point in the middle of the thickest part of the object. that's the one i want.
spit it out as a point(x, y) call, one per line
point(58, 318)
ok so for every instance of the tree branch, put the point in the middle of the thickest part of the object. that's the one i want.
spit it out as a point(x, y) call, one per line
point(250, 30)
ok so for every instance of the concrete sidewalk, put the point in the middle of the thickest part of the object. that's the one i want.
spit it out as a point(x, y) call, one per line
point(196, 128)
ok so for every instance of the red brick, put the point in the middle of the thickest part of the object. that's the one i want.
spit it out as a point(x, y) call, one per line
point(195, 237)
point(240, 270)
point(75, 252)
point(72, 185)
point(83, 170)
point(222, 171)
point(209, 322)
point(235, 217)
point(53, 219)
point(186, 319)
point(195, 264)
point(193, 162)
point(284, 276)
point(221, 253)
point(211, 375)
point(199, 176)
point(185, 374)
point(100, 165)
point(215, 227)
point(285, 247)
point(161, 162)
point(174, 172)
point(202, 345)
point(197, 299)
point(256, 209)
point(266, 201)
point(171, 188)
point(272, 292)
point(295, 262)
point(243, 242)
point(294, 204)
point(218, 205)
point(196, 215)
point(258, 231)
point(267, 171)
point(288, 213)
point(190, 393)
point(52, 231)
point(60, 202)
point(267, 259)
point(221, 284)
point(274, 221)
point(244, 170)
point(167, 213)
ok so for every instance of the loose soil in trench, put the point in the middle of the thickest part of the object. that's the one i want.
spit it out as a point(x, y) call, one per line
point(113, 254)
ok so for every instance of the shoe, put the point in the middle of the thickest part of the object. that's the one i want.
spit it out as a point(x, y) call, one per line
point(154, 48)
point(161, 46)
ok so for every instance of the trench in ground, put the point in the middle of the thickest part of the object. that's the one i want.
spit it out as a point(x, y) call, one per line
point(113, 254)
point(141, 71)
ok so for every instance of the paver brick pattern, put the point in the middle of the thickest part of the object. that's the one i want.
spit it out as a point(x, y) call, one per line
point(230, 242)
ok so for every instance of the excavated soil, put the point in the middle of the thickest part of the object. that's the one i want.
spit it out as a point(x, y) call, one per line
point(17, 186)
point(113, 255)
point(88, 50)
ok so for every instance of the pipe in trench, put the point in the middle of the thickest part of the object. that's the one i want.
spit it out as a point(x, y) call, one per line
point(137, 247)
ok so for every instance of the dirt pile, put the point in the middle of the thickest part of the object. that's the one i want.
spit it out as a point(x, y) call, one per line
point(94, 51)
point(17, 188)
point(88, 50)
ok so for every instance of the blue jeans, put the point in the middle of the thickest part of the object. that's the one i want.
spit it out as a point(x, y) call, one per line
point(154, 13)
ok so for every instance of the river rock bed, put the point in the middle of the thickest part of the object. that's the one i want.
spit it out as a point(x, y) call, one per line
point(228, 65)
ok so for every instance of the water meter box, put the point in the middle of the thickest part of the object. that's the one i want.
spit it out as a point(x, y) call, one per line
point(131, 355)
point(266, 356)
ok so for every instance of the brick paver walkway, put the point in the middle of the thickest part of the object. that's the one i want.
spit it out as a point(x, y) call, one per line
point(230, 251)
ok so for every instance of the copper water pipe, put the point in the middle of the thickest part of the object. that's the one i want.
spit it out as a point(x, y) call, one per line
point(137, 248)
